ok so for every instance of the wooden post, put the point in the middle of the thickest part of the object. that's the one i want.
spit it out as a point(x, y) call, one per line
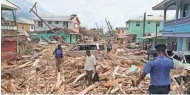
point(44, 21)
point(144, 25)
point(156, 34)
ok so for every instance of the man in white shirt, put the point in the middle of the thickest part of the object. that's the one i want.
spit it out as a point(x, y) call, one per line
point(90, 66)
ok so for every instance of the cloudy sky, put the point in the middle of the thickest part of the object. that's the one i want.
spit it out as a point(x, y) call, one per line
point(95, 11)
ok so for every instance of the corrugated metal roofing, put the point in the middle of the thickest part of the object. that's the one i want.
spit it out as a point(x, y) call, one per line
point(160, 6)
point(6, 5)
point(149, 18)
point(54, 18)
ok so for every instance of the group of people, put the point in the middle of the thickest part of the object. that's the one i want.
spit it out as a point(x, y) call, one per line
point(158, 68)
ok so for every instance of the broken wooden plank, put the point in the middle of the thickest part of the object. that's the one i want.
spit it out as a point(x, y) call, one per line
point(91, 87)
point(115, 71)
point(120, 88)
point(109, 90)
point(79, 77)
point(23, 65)
point(11, 86)
point(115, 89)
point(36, 62)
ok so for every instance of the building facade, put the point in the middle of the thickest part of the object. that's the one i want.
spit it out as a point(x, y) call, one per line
point(25, 25)
point(65, 23)
point(70, 22)
point(135, 26)
point(8, 32)
point(178, 30)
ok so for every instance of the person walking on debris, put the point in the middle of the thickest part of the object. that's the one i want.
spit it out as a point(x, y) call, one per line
point(159, 69)
point(90, 66)
point(58, 55)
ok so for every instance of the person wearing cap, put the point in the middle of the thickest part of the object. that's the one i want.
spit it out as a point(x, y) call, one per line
point(159, 70)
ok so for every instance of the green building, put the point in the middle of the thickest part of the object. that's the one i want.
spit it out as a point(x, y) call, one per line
point(135, 26)
point(68, 36)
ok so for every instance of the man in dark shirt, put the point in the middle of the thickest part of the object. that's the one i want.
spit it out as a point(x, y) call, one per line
point(159, 70)
point(58, 55)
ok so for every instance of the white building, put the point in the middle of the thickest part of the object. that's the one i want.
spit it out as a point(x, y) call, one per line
point(71, 22)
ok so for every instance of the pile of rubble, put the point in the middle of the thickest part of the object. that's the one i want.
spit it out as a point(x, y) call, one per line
point(31, 75)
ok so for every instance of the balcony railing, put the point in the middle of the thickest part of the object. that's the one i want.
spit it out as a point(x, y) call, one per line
point(184, 20)
point(181, 25)
point(8, 27)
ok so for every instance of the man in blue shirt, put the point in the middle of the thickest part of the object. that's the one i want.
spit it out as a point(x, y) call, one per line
point(159, 70)
point(58, 55)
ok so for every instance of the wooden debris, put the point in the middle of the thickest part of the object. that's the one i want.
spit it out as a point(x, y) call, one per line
point(36, 62)
point(85, 91)
point(120, 88)
point(79, 77)
point(11, 86)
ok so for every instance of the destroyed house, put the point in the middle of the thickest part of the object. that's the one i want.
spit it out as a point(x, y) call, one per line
point(46, 36)
point(9, 36)
point(70, 22)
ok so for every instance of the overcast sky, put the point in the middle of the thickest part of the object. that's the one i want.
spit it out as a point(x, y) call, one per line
point(95, 11)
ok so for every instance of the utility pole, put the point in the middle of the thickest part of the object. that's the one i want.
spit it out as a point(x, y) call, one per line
point(108, 27)
point(35, 12)
point(112, 32)
point(97, 26)
point(156, 33)
point(144, 25)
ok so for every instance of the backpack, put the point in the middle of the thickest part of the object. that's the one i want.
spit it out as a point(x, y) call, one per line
point(58, 52)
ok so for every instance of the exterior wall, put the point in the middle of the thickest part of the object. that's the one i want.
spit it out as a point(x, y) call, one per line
point(23, 26)
point(75, 21)
point(150, 28)
point(8, 50)
point(66, 37)
point(74, 38)
point(64, 34)
point(52, 25)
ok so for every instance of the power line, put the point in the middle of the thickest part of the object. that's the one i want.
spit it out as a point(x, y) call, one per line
point(37, 7)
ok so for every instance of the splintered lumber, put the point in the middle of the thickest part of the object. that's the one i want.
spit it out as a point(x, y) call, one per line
point(115, 71)
point(79, 77)
point(36, 62)
point(8, 66)
point(120, 88)
point(115, 89)
point(7, 90)
point(11, 86)
point(58, 81)
point(176, 84)
point(91, 87)
point(27, 90)
point(109, 90)
point(23, 65)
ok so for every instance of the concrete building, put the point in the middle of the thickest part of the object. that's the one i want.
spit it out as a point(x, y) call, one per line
point(8, 32)
point(69, 25)
point(177, 30)
point(70, 22)
point(135, 26)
